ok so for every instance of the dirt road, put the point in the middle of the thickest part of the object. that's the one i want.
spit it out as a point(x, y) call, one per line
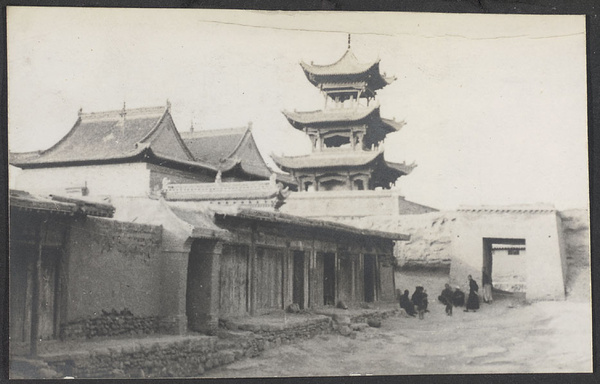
point(504, 337)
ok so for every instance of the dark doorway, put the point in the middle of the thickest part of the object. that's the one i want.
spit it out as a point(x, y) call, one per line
point(329, 279)
point(298, 279)
point(500, 247)
point(369, 271)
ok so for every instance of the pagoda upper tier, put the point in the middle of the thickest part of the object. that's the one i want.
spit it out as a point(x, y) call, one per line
point(347, 77)
point(361, 126)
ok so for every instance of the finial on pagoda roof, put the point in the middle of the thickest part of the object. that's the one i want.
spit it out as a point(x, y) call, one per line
point(349, 36)
point(192, 125)
point(80, 111)
point(168, 106)
point(250, 125)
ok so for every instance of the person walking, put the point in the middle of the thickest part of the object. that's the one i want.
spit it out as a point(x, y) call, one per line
point(486, 280)
point(419, 299)
point(473, 299)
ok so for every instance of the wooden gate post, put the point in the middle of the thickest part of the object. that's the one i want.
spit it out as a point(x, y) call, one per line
point(37, 289)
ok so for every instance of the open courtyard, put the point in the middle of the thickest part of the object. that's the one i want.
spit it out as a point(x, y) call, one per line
point(508, 336)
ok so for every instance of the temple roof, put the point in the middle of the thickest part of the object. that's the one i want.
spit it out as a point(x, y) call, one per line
point(230, 148)
point(347, 70)
point(333, 116)
point(341, 158)
point(283, 218)
point(115, 136)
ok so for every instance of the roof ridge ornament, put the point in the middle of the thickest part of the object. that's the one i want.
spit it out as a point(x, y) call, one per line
point(349, 39)
point(168, 106)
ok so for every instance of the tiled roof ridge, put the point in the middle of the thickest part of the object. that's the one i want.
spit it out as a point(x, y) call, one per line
point(247, 133)
point(152, 135)
point(117, 113)
point(200, 133)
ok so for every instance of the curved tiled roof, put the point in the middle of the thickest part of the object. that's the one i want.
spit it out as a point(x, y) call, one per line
point(334, 115)
point(347, 70)
point(334, 159)
point(328, 159)
point(230, 148)
point(114, 136)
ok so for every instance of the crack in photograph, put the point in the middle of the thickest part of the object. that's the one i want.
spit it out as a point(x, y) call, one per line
point(234, 193)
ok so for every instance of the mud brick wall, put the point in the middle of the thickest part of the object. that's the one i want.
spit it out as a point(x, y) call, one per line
point(111, 264)
point(147, 358)
point(110, 324)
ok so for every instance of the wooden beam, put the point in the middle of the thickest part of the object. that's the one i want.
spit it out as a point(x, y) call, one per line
point(37, 289)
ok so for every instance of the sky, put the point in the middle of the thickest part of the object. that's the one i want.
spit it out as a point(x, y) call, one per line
point(495, 105)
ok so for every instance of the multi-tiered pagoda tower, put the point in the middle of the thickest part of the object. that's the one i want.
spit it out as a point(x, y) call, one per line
point(347, 134)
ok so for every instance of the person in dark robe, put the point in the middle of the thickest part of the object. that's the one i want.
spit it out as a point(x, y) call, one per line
point(446, 299)
point(419, 299)
point(407, 305)
point(473, 299)
point(458, 297)
point(486, 280)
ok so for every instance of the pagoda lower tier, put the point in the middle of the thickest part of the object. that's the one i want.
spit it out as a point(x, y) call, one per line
point(338, 170)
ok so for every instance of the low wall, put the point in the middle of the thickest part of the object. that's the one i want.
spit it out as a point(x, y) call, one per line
point(187, 356)
point(277, 334)
point(333, 205)
point(112, 323)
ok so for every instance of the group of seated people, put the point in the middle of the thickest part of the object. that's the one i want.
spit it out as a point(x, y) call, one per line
point(417, 304)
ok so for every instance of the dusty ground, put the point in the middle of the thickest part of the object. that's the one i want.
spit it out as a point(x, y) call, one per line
point(506, 336)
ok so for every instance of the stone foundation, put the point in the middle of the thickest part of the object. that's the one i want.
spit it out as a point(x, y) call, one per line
point(192, 355)
point(276, 334)
point(187, 356)
point(109, 324)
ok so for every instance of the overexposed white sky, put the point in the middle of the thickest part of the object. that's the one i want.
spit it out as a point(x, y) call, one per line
point(495, 105)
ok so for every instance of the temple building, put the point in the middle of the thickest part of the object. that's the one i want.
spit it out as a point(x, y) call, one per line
point(347, 165)
point(126, 228)
point(347, 134)
point(126, 152)
point(234, 152)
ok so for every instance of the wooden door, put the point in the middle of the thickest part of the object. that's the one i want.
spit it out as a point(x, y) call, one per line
point(49, 294)
point(298, 279)
point(269, 285)
point(369, 277)
point(234, 280)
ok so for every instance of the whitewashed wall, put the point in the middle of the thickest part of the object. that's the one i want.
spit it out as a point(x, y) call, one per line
point(132, 179)
point(543, 266)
